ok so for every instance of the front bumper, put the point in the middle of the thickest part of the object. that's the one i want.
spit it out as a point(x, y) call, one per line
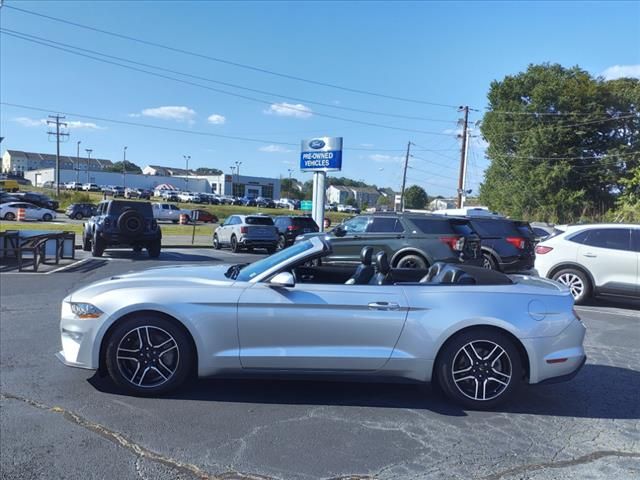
point(78, 339)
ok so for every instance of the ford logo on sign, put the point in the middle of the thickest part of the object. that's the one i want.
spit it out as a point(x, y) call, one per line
point(316, 144)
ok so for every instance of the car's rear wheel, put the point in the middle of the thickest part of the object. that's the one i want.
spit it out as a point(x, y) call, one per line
point(282, 242)
point(216, 242)
point(234, 244)
point(9, 216)
point(412, 261)
point(148, 355)
point(479, 369)
point(97, 246)
point(154, 248)
point(577, 281)
point(489, 262)
point(271, 250)
point(78, 216)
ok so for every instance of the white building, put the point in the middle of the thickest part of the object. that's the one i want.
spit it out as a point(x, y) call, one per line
point(241, 185)
point(17, 161)
point(363, 195)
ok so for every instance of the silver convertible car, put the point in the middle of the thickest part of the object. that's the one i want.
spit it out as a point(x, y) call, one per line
point(478, 333)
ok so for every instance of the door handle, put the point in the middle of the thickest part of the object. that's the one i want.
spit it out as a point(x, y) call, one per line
point(384, 306)
point(590, 255)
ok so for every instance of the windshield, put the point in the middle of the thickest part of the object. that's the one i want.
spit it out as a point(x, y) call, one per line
point(250, 271)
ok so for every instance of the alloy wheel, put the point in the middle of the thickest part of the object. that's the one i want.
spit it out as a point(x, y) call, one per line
point(481, 370)
point(574, 282)
point(148, 356)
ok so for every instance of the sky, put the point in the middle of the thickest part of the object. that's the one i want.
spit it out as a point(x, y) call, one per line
point(431, 57)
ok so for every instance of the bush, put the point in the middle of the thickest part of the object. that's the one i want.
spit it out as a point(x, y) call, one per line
point(67, 198)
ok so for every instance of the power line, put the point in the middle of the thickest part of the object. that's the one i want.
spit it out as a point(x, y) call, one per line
point(442, 165)
point(563, 158)
point(431, 173)
point(549, 114)
point(253, 99)
point(36, 39)
point(229, 62)
point(545, 127)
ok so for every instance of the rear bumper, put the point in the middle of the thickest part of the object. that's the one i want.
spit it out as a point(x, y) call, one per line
point(516, 264)
point(251, 242)
point(567, 377)
point(119, 239)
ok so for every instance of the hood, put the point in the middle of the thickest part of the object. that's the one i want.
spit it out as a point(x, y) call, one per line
point(159, 277)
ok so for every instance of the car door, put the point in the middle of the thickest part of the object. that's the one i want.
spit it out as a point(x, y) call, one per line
point(607, 253)
point(320, 326)
point(225, 230)
point(346, 249)
point(635, 244)
point(384, 233)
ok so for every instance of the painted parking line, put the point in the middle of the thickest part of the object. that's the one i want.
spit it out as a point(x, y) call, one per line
point(610, 311)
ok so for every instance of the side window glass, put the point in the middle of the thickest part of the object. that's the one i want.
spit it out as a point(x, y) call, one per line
point(384, 225)
point(611, 238)
point(357, 224)
point(580, 237)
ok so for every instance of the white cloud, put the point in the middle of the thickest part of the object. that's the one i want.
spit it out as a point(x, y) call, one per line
point(367, 145)
point(274, 149)
point(177, 113)
point(216, 119)
point(380, 158)
point(30, 122)
point(73, 124)
point(621, 71)
point(285, 109)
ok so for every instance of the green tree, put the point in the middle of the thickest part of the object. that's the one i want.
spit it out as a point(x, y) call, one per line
point(351, 201)
point(415, 197)
point(290, 189)
point(208, 171)
point(561, 143)
point(129, 167)
point(383, 201)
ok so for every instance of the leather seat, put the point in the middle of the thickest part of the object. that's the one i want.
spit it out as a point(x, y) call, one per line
point(365, 270)
point(383, 270)
point(434, 270)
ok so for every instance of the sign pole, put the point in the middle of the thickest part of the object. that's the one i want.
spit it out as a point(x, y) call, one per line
point(319, 193)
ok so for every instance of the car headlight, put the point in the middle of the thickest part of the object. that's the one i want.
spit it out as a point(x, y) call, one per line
point(85, 310)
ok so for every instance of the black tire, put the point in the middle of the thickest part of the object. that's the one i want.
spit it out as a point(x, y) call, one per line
point(505, 366)
point(216, 242)
point(489, 262)
point(412, 261)
point(154, 248)
point(97, 246)
point(178, 360)
point(86, 243)
point(271, 250)
point(577, 281)
point(174, 221)
point(78, 216)
point(235, 248)
point(130, 223)
point(9, 216)
point(47, 217)
point(282, 242)
point(137, 248)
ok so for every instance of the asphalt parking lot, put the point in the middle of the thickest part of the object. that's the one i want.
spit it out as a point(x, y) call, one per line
point(59, 422)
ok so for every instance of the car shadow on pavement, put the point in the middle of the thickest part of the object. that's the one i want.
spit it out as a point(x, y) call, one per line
point(598, 391)
point(164, 256)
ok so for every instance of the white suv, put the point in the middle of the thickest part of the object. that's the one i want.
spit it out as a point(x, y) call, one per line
point(599, 259)
point(247, 231)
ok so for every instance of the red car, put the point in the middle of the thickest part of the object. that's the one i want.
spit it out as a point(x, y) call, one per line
point(204, 216)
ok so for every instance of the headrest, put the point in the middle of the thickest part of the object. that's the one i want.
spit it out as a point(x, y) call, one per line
point(365, 255)
point(382, 262)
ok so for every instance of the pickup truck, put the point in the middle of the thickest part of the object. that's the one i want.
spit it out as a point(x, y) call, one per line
point(168, 212)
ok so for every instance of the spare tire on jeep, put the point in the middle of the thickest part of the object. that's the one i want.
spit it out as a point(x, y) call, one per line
point(130, 223)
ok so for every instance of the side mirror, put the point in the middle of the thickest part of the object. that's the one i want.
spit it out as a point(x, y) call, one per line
point(339, 231)
point(283, 279)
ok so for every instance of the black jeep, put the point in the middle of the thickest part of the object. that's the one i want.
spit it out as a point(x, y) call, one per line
point(121, 222)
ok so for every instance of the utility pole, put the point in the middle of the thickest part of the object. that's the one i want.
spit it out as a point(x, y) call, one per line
point(57, 133)
point(88, 150)
point(404, 176)
point(463, 154)
point(238, 173)
point(124, 168)
point(78, 161)
point(289, 189)
point(464, 173)
point(186, 180)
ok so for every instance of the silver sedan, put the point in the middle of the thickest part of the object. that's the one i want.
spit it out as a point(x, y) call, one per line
point(479, 334)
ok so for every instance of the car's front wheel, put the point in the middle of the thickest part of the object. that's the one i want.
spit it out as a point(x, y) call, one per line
point(78, 216)
point(86, 243)
point(577, 281)
point(97, 246)
point(154, 248)
point(9, 216)
point(479, 369)
point(216, 242)
point(148, 355)
point(47, 217)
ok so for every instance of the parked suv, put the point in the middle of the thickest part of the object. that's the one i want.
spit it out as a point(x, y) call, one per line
point(289, 227)
point(411, 240)
point(247, 231)
point(507, 245)
point(598, 259)
point(121, 222)
point(80, 210)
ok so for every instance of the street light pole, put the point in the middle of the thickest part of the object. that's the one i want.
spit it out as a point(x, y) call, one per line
point(186, 180)
point(88, 150)
point(238, 172)
point(78, 161)
point(124, 168)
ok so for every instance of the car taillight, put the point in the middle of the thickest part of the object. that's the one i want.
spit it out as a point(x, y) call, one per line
point(291, 228)
point(541, 249)
point(451, 241)
point(244, 229)
point(517, 242)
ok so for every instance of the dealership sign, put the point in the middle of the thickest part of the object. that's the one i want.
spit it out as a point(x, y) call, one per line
point(321, 154)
